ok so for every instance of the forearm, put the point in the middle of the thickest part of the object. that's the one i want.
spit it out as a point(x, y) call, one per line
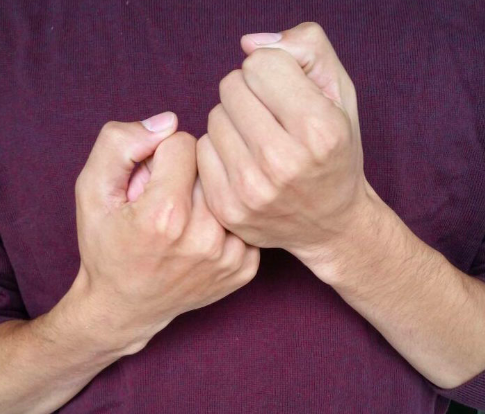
point(47, 361)
point(428, 310)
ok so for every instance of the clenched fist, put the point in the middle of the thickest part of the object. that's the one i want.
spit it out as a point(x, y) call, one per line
point(281, 164)
point(150, 248)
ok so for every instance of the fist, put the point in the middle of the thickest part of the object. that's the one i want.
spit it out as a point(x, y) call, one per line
point(150, 247)
point(281, 164)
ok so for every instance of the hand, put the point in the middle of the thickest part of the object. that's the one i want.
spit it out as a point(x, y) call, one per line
point(160, 252)
point(281, 164)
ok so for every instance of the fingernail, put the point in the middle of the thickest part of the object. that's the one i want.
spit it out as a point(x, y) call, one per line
point(160, 122)
point(265, 38)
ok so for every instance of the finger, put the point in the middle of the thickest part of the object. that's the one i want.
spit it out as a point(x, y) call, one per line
point(266, 139)
point(201, 214)
point(117, 150)
point(309, 45)
point(168, 194)
point(140, 177)
point(226, 140)
point(244, 257)
point(204, 230)
point(253, 121)
point(213, 177)
point(277, 80)
point(246, 177)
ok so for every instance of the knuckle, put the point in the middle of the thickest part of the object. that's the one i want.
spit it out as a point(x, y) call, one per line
point(79, 186)
point(112, 129)
point(116, 136)
point(284, 171)
point(326, 138)
point(83, 194)
point(214, 250)
point(350, 86)
point(185, 143)
point(184, 137)
point(201, 142)
point(253, 262)
point(247, 182)
point(227, 84)
point(315, 125)
point(234, 257)
point(247, 275)
point(250, 271)
point(171, 220)
point(167, 220)
point(230, 214)
point(346, 87)
point(341, 134)
point(312, 31)
point(265, 58)
point(251, 62)
point(318, 140)
point(331, 144)
point(254, 191)
point(214, 115)
point(211, 245)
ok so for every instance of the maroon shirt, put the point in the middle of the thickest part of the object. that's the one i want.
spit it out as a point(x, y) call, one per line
point(285, 343)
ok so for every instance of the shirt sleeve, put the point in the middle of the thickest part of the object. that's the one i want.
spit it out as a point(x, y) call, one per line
point(471, 393)
point(11, 304)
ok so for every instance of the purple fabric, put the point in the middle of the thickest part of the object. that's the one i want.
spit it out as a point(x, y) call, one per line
point(286, 343)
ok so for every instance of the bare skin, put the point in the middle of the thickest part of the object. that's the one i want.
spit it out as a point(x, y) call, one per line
point(150, 250)
point(282, 166)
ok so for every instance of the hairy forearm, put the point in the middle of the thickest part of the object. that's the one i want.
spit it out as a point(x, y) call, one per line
point(428, 310)
point(47, 361)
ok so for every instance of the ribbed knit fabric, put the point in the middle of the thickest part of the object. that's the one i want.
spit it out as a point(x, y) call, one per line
point(285, 343)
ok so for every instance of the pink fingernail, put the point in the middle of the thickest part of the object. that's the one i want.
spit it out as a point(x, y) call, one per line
point(160, 122)
point(265, 38)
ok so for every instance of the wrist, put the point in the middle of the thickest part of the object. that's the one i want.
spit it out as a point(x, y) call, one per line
point(90, 320)
point(368, 233)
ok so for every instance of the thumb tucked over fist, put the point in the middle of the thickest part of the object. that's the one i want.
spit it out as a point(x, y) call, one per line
point(281, 164)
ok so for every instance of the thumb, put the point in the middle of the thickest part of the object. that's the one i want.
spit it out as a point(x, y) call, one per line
point(119, 147)
point(308, 44)
point(168, 193)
